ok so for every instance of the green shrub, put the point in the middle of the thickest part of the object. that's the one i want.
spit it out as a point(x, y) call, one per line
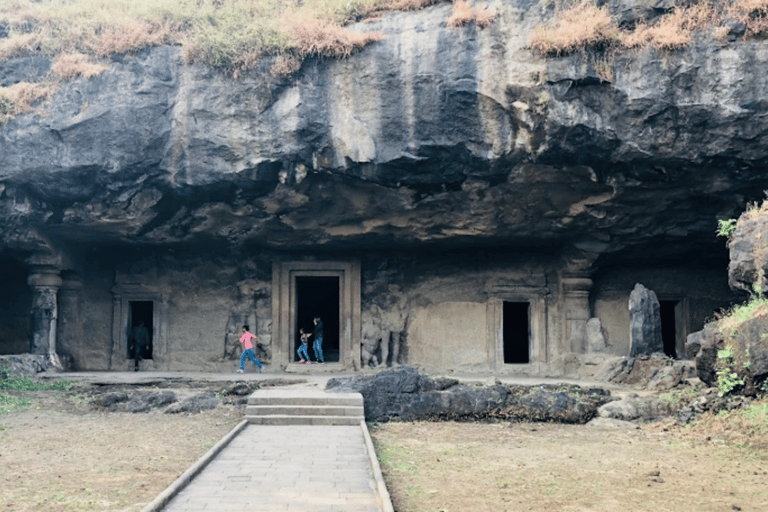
point(726, 227)
point(10, 382)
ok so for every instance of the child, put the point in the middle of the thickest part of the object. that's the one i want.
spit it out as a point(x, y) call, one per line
point(245, 339)
point(302, 351)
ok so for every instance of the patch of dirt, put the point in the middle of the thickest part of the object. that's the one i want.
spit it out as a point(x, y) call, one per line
point(63, 455)
point(544, 467)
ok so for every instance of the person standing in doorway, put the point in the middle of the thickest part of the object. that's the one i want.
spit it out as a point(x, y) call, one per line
point(140, 340)
point(245, 339)
point(303, 354)
point(317, 344)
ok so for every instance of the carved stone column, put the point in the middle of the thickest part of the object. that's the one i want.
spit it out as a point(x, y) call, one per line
point(45, 282)
point(69, 325)
point(576, 290)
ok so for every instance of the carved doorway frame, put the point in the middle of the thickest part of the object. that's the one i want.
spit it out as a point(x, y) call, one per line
point(122, 295)
point(284, 307)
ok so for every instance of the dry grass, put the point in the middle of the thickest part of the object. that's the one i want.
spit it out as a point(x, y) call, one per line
point(21, 97)
point(673, 31)
point(580, 27)
point(231, 35)
point(320, 37)
point(753, 14)
point(584, 26)
point(68, 66)
point(550, 467)
point(465, 13)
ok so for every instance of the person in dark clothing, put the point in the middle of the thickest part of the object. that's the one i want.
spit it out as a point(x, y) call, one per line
point(317, 336)
point(140, 340)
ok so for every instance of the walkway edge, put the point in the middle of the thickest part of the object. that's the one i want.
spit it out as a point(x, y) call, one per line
point(382, 494)
point(164, 497)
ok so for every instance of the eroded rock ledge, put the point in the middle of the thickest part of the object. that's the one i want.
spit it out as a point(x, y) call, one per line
point(404, 394)
point(434, 134)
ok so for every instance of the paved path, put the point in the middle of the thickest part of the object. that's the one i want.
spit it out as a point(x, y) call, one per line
point(285, 468)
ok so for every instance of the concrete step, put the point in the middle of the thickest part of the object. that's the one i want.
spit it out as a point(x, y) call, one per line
point(304, 420)
point(301, 368)
point(303, 410)
point(303, 406)
point(282, 398)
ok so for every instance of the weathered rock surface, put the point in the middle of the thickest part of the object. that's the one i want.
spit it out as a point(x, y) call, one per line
point(636, 408)
point(404, 394)
point(746, 341)
point(194, 404)
point(134, 401)
point(709, 400)
point(704, 345)
point(24, 365)
point(655, 372)
point(645, 322)
point(392, 147)
point(748, 248)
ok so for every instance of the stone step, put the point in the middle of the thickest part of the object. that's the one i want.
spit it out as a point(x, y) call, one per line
point(297, 367)
point(304, 407)
point(305, 398)
point(303, 410)
point(304, 420)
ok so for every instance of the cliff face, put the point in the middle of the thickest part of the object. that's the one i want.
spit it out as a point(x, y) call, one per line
point(434, 134)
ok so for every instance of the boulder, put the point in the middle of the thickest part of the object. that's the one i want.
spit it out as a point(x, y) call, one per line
point(134, 401)
point(645, 322)
point(706, 343)
point(748, 248)
point(655, 372)
point(635, 408)
point(404, 394)
point(194, 404)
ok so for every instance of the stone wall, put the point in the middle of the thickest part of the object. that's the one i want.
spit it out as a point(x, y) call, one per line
point(700, 292)
point(200, 302)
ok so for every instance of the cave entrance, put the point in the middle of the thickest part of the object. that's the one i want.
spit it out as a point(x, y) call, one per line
point(667, 313)
point(330, 289)
point(140, 312)
point(516, 332)
point(318, 296)
point(15, 308)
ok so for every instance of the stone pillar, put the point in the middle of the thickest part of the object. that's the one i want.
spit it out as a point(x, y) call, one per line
point(576, 290)
point(45, 282)
point(70, 328)
point(644, 322)
point(117, 355)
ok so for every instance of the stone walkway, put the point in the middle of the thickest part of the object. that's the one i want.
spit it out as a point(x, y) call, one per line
point(285, 468)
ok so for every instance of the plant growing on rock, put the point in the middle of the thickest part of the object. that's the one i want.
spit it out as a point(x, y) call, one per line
point(583, 26)
point(464, 13)
point(739, 366)
point(728, 379)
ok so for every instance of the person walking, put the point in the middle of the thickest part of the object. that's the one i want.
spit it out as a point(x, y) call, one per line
point(140, 340)
point(302, 351)
point(317, 344)
point(245, 339)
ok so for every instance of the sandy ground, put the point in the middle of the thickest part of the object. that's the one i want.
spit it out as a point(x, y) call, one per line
point(549, 467)
point(61, 455)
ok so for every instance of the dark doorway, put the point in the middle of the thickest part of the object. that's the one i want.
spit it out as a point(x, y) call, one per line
point(15, 308)
point(516, 331)
point(668, 327)
point(318, 296)
point(141, 311)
